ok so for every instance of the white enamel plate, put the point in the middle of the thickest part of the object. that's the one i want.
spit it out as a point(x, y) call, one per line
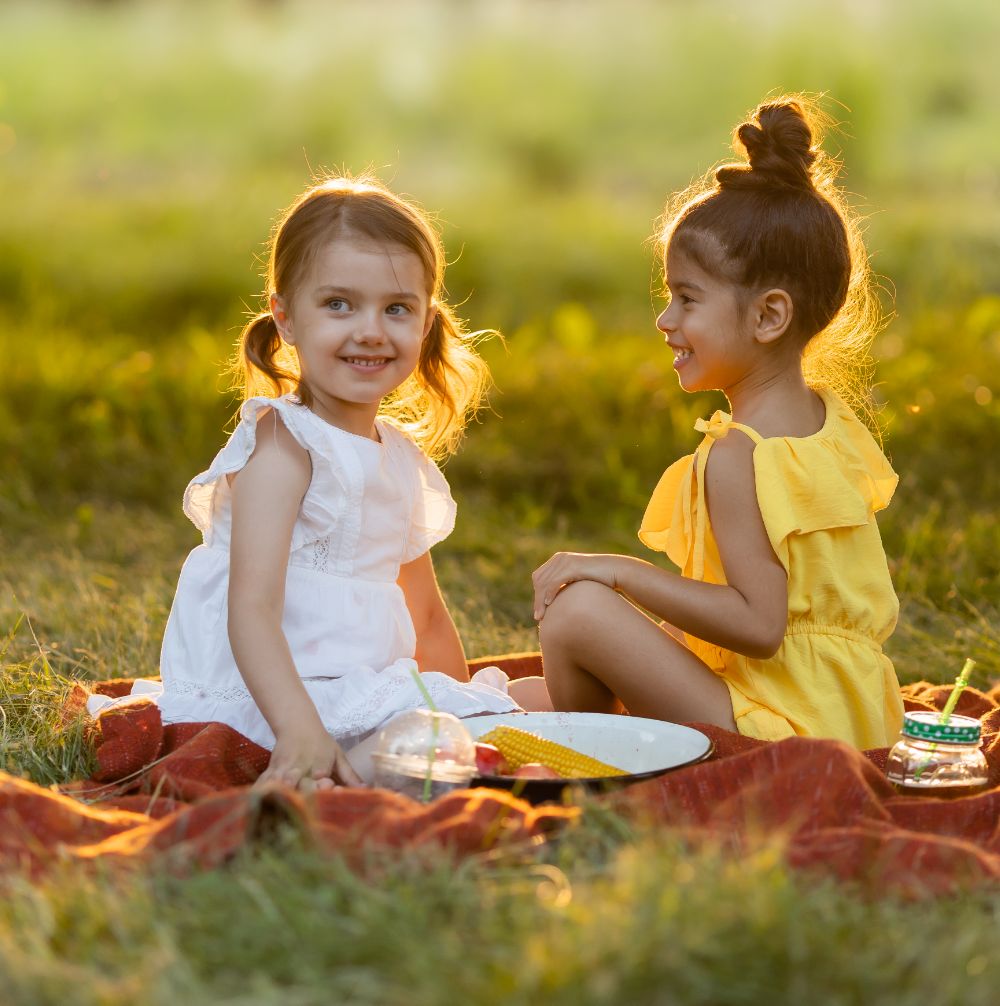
point(640, 747)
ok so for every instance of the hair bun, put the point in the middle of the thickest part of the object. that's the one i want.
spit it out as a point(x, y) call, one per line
point(779, 148)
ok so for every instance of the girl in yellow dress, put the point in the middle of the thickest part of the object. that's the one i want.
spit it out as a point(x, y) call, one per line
point(774, 626)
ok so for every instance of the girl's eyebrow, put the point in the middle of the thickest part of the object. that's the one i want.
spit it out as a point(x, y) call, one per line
point(349, 292)
point(685, 285)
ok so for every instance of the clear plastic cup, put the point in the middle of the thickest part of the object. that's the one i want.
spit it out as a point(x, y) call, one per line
point(424, 754)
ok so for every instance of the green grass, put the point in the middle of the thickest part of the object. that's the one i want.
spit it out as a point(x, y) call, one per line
point(604, 918)
point(145, 149)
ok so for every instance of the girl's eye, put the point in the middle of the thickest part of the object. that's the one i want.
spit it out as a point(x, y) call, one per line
point(685, 299)
point(398, 309)
point(336, 304)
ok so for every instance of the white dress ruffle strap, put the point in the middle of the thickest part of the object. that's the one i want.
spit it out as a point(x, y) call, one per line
point(369, 508)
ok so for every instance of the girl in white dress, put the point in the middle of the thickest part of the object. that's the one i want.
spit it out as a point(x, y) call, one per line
point(300, 619)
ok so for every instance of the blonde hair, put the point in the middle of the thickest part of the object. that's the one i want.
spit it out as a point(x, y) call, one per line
point(436, 401)
point(780, 219)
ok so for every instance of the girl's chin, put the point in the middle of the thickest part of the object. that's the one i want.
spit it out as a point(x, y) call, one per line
point(691, 384)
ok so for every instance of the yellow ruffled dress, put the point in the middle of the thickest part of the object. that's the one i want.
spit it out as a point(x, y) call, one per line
point(818, 496)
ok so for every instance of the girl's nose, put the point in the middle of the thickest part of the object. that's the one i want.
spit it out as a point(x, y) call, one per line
point(663, 321)
point(370, 330)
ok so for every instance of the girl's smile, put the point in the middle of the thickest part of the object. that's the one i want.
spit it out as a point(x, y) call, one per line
point(366, 362)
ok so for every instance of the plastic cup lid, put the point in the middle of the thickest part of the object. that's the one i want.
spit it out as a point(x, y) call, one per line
point(922, 724)
point(433, 736)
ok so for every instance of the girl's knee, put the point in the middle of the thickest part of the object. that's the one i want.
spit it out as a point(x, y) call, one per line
point(572, 609)
point(531, 694)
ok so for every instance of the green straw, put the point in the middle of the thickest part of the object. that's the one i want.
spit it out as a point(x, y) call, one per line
point(960, 682)
point(423, 690)
point(428, 779)
point(949, 707)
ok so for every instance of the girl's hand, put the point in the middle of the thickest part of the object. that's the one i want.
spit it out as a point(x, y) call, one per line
point(309, 761)
point(568, 567)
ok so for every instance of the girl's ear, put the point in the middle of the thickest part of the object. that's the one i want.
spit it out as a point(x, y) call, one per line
point(432, 315)
point(282, 319)
point(771, 315)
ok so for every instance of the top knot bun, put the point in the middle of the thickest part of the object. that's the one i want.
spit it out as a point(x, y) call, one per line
point(779, 148)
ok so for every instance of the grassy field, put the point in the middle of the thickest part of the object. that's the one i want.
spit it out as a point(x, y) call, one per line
point(145, 149)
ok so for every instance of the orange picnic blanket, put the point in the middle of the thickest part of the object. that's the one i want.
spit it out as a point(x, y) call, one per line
point(182, 793)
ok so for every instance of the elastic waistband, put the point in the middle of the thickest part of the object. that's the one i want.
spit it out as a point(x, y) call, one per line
point(804, 628)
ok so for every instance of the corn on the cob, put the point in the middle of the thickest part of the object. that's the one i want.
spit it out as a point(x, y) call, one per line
point(520, 747)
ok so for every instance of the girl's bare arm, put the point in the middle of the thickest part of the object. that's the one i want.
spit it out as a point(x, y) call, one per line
point(439, 647)
point(748, 614)
point(266, 494)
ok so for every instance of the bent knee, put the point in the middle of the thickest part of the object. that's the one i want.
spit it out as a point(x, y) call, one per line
point(573, 606)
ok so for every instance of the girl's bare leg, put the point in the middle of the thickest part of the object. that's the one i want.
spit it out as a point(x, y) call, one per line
point(360, 757)
point(531, 694)
point(600, 652)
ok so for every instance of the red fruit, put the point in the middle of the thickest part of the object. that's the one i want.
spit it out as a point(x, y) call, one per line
point(489, 760)
point(535, 770)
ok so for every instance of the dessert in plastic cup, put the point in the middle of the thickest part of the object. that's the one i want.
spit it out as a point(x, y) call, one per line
point(424, 754)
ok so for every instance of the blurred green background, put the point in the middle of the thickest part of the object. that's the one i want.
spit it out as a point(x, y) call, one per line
point(146, 148)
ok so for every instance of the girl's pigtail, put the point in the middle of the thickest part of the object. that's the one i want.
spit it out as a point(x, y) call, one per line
point(447, 388)
point(264, 364)
point(456, 376)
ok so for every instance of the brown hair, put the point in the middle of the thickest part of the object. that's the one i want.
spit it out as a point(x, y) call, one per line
point(779, 219)
point(450, 380)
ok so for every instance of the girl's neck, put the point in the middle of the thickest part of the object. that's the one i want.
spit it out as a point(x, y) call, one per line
point(357, 418)
point(777, 404)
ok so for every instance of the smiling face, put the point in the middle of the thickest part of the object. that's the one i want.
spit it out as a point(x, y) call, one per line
point(713, 349)
point(357, 321)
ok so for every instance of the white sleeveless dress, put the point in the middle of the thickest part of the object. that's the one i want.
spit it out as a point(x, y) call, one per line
point(369, 507)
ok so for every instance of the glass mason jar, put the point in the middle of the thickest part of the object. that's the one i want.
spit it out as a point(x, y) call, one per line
point(938, 759)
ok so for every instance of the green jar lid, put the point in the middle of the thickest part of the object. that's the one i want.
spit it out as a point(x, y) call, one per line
point(924, 725)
